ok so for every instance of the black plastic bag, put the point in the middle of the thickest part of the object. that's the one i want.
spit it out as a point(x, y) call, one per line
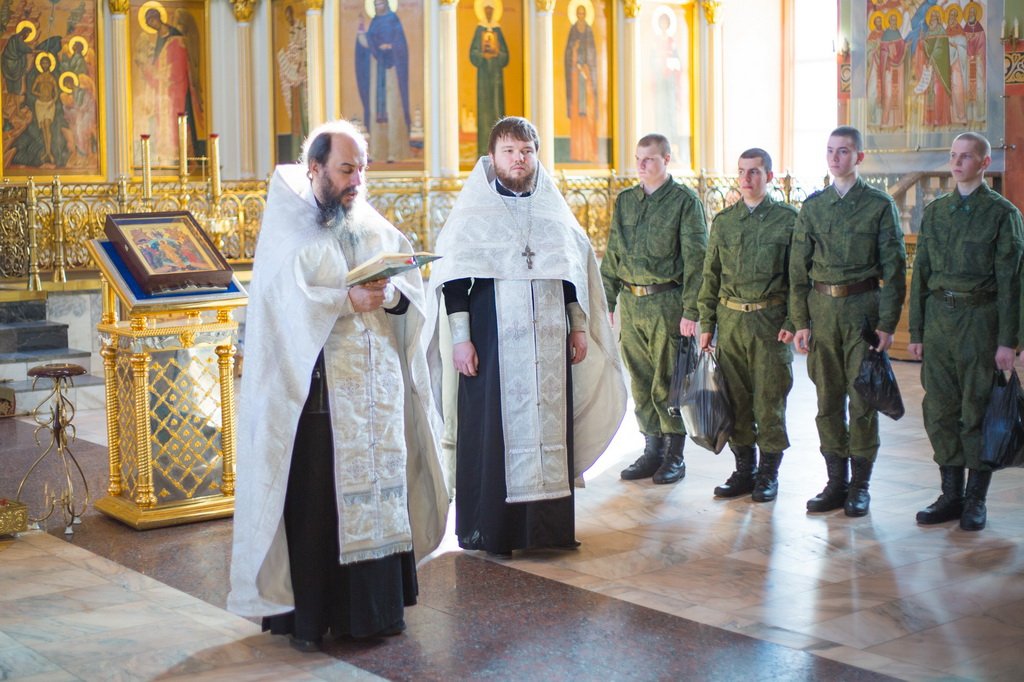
point(876, 384)
point(705, 407)
point(1002, 429)
point(875, 381)
point(686, 360)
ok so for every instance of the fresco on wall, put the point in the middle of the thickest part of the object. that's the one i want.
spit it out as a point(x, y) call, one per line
point(169, 67)
point(491, 73)
point(291, 118)
point(382, 81)
point(665, 96)
point(51, 94)
point(582, 114)
point(921, 73)
point(926, 67)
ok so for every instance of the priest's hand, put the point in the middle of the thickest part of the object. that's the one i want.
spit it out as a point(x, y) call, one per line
point(369, 296)
point(464, 358)
point(577, 346)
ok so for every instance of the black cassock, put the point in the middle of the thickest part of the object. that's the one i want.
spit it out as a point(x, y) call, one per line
point(359, 599)
point(483, 519)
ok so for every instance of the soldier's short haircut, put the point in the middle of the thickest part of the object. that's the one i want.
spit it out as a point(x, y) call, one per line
point(515, 127)
point(656, 140)
point(981, 144)
point(852, 133)
point(758, 153)
point(317, 146)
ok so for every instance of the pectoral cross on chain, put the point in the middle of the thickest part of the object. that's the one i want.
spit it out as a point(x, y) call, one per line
point(528, 254)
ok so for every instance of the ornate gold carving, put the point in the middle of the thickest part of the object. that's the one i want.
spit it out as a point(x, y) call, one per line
point(316, 5)
point(13, 517)
point(243, 9)
point(187, 338)
point(544, 5)
point(711, 8)
point(449, 3)
point(139, 323)
point(631, 8)
point(119, 6)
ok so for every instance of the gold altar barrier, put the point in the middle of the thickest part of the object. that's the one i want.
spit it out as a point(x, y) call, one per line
point(169, 368)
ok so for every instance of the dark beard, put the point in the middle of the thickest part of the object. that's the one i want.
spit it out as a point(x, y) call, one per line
point(517, 185)
point(329, 213)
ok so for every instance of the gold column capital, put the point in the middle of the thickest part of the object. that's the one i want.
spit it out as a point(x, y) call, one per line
point(243, 9)
point(119, 6)
point(449, 3)
point(631, 8)
point(317, 5)
point(544, 5)
point(711, 8)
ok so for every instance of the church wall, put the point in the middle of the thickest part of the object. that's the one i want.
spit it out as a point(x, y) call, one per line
point(752, 69)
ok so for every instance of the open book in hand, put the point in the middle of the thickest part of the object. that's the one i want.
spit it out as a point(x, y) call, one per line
point(387, 265)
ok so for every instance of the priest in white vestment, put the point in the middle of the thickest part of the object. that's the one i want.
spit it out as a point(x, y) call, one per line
point(540, 391)
point(339, 483)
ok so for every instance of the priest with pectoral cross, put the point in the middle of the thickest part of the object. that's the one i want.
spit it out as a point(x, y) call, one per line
point(533, 366)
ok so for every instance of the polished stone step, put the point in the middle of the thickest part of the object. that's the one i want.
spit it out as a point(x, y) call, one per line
point(87, 392)
point(22, 311)
point(34, 335)
point(15, 366)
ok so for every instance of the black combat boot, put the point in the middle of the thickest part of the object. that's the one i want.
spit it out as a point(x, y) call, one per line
point(833, 496)
point(950, 504)
point(673, 467)
point(858, 499)
point(741, 482)
point(766, 485)
point(649, 462)
point(975, 514)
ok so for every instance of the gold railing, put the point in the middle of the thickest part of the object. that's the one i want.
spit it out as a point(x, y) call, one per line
point(45, 227)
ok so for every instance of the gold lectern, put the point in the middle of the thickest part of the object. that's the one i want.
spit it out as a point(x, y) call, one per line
point(170, 399)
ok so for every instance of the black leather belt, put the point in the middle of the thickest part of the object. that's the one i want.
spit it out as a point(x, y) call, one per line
point(735, 304)
point(648, 289)
point(844, 290)
point(954, 299)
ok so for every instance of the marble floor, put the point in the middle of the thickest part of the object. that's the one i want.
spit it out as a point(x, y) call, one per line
point(681, 585)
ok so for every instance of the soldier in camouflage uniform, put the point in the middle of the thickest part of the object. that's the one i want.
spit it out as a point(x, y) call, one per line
point(744, 293)
point(654, 258)
point(847, 263)
point(964, 316)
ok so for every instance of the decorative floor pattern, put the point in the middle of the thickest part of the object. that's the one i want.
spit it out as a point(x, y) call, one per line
point(805, 591)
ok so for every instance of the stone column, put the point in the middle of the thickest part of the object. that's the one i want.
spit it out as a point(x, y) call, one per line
point(122, 129)
point(788, 97)
point(630, 94)
point(315, 63)
point(544, 67)
point(243, 10)
point(713, 136)
point(448, 72)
